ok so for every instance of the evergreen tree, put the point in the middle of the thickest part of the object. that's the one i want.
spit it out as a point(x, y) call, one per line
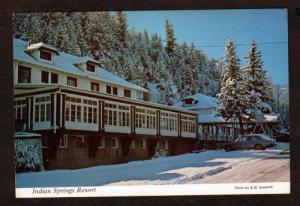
point(256, 83)
point(170, 47)
point(232, 93)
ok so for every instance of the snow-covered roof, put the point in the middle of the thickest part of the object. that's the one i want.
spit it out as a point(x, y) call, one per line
point(26, 134)
point(272, 117)
point(88, 59)
point(40, 45)
point(210, 118)
point(202, 102)
point(66, 63)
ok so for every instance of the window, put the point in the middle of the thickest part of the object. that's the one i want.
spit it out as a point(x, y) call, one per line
point(168, 121)
point(145, 118)
point(127, 93)
point(94, 86)
point(188, 124)
point(188, 101)
point(143, 143)
point(101, 143)
point(111, 90)
point(81, 110)
point(42, 109)
point(116, 115)
point(24, 74)
point(108, 89)
point(45, 77)
point(54, 78)
point(80, 142)
point(115, 143)
point(63, 142)
point(72, 81)
point(132, 144)
point(166, 144)
point(45, 55)
point(115, 90)
point(20, 109)
point(45, 141)
point(140, 95)
point(90, 67)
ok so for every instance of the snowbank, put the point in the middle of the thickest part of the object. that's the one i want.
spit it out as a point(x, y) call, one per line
point(170, 170)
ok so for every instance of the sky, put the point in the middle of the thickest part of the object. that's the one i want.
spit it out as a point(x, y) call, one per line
point(210, 29)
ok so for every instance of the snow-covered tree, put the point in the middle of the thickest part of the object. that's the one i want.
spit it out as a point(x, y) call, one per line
point(232, 96)
point(257, 84)
point(170, 37)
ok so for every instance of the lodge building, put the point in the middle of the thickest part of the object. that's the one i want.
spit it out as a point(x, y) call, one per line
point(88, 116)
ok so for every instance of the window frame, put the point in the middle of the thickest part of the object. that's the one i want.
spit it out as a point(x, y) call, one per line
point(44, 74)
point(143, 143)
point(102, 143)
point(127, 93)
point(42, 107)
point(132, 144)
point(72, 79)
point(45, 55)
point(97, 86)
point(24, 69)
point(54, 76)
point(63, 142)
point(116, 145)
point(90, 67)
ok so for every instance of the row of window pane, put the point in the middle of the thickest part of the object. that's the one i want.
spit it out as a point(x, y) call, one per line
point(188, 124)
point(116, 115)
point(145, 118)
point(42, 109)
point(81, 110)
point(168, 121)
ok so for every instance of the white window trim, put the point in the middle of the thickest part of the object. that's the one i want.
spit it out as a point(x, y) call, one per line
point(21, 107)
point(39, 105)
point(65, 141)
point(166, 144)
point(143, 143)
point(45, 60)
point(152, 118)
point(82, 106)
point(118, 115)
point(117, 143)
point(132, 144)
point(102, 141)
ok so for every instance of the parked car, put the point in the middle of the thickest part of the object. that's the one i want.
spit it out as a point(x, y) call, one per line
point(283, 137)
point(251, 141)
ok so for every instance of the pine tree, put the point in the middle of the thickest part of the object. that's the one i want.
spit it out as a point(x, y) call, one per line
point(170, 47)
point(257, 84)
point(122, 28)
point(232, 93)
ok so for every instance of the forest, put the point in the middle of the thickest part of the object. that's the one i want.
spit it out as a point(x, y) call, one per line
point(169, 69)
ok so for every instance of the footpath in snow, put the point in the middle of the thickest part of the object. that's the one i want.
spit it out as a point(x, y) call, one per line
point(182, 169)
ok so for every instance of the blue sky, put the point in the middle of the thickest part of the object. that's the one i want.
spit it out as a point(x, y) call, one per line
point(210, 29)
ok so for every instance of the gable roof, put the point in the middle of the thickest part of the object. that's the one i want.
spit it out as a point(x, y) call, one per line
point(65, 62)
point(202, 102)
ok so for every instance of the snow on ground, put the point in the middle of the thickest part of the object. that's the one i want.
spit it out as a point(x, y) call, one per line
point(182, 169)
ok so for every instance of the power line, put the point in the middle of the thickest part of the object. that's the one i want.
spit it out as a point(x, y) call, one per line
point(244, 44)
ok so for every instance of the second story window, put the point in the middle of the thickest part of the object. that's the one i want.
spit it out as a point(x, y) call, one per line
point(54, 78)
point(45, 77)
point(72, 81)
point(127, 93)
point(111, 90)
point(45, 55)
point(90, 67)
point(94, 86)
point(115, 90)
point(24, 74)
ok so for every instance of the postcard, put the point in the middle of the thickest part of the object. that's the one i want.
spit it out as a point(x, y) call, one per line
point(151, 103)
